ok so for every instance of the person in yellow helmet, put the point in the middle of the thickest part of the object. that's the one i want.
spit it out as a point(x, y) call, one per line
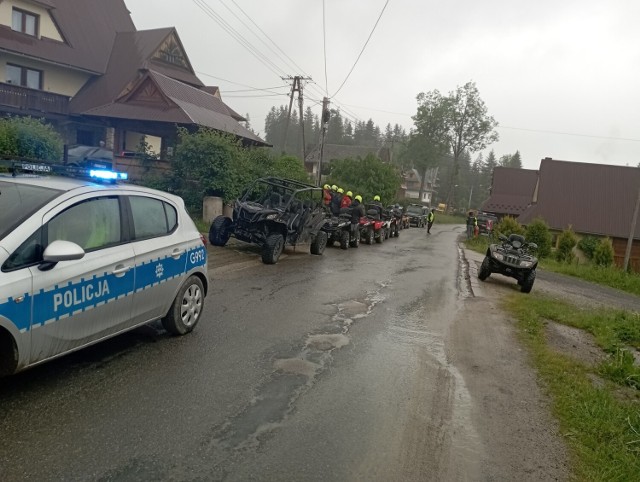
point(346, 200)
point(377, 205)
point(326, 195)
point(357, 212)
point(336, 199)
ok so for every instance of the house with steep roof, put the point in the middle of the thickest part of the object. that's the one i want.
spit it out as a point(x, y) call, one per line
point(511, 191)
point(412, 180)
point(84, 67)
point(593, 199)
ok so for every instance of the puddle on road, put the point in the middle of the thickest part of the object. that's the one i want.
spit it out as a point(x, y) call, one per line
point(327, 342)
point(275, 398)
point(297, 366)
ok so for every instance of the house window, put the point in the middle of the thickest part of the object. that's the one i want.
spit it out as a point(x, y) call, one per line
point(24, 76)
point(25, 22)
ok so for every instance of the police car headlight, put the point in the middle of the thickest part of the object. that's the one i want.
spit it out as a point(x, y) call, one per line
point(526, 264)
point(498, 256)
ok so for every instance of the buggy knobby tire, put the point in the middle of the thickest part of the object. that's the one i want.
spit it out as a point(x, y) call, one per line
point(527, 282)
point(219, 231)
point(485, 269)
point(319, 243)
point(185, 311)
point(344, 239)
point(272, 248)
point(355, 242)
point(380, 238)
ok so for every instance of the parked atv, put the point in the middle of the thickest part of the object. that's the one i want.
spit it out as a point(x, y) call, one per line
point(272, 213)
point(395, 214)
point(366, 230)
point(338, 229)
point(514, 258)
point(380, 227)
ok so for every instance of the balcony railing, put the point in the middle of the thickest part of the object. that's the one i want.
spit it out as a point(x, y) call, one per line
point(32, 100)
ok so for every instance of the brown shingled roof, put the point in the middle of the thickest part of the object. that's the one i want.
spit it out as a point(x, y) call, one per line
point(594, 199)
point(511, 191)
point(88, 26)
point(184, 104)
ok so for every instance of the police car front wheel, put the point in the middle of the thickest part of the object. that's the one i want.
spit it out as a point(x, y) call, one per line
point(186, 308)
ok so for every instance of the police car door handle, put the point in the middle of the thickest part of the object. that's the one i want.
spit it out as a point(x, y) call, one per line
point(121, 270)
point(176, 253)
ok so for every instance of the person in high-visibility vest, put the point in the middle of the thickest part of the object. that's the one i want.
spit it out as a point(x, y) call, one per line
point(430, 218)
point(472, 222)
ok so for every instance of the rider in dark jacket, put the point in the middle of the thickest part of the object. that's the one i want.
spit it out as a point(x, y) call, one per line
point(357, 211)
point(336, 200)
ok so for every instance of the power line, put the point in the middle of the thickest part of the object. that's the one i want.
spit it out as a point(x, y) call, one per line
point(264, 89)
point(238, 37)
point(270, 40)
point(364, 47)
point(571, 134)
point(253, 31)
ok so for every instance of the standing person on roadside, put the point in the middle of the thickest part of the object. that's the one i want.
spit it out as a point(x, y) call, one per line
point(430, 218)
point(472, 222)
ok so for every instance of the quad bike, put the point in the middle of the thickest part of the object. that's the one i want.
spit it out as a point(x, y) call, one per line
point(366, 230)
point(338, 229)
point(514, 258)
point(394, 225)
point(379, 227)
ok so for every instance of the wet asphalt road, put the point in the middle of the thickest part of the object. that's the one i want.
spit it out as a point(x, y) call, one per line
point(317, 368)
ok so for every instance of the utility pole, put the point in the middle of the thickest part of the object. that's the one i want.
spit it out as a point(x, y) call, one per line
point(326, 115)
point(296, 86)
point(627, 253)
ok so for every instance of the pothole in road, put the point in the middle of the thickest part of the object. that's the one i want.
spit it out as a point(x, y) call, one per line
point(297, 366)
point(327, 342)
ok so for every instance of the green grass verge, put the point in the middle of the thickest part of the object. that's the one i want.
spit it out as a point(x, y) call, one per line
point(448, 219)
point(599, 421)
point(202, 226)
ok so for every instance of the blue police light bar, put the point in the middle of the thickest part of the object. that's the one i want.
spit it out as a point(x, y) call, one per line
point(107, 175)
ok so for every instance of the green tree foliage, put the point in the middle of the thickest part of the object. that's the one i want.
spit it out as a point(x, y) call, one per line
point(469, 126)
point(508, 225)
point(588, 245)
point(208, 163)
point(511, 160)
point(603, 254)
point(29, 138)
point(538, 232)
point(367, 177)
point(428, 142)
point(566, 242)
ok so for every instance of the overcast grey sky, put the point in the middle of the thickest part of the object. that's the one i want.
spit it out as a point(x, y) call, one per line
point(545, 69)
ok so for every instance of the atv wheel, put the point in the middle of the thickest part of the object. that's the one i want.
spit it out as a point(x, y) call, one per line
point(380, 238)
point(319, 243)
point(344, 239)
point(219, 231)
point(527, 283)
point(485, 269)
point(272, 248)
point(370, 236)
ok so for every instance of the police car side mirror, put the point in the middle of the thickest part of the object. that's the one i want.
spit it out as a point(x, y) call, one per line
point(60, 251)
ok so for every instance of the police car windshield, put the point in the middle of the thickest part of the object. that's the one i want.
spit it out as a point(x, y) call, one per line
point(19, 201)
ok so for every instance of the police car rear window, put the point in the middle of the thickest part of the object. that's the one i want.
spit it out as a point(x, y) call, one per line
point(19, 201)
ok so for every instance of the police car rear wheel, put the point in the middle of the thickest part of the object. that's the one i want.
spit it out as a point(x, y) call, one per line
point(186, 308)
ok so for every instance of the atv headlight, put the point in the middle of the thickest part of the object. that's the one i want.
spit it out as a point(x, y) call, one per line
point(498, 256)
point(271, 216)
point(526, 264)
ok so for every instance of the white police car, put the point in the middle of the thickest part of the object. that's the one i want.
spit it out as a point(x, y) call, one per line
point(82, 261)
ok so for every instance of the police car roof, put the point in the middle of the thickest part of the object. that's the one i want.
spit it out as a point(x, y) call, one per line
point(66, 184)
